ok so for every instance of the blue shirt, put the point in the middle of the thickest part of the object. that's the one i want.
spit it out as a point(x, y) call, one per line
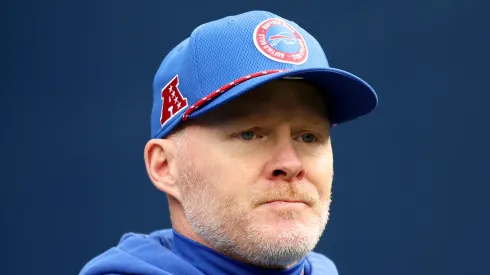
point(166, 252)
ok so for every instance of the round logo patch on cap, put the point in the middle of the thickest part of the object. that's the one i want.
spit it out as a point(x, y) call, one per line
point(279, 41)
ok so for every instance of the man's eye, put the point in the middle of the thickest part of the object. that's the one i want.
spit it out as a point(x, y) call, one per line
point(247, 135)
point(308, 138)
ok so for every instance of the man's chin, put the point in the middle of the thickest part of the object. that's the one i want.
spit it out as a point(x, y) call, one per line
point(285, 217)
point(287, 232)
point(302, 229)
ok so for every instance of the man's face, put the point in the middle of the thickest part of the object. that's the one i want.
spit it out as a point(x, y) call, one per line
point(256, 174)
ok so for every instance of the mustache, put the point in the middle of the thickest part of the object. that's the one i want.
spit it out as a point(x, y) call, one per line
point(287, 192)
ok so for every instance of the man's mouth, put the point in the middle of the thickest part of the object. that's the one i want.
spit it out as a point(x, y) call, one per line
point(286, 203)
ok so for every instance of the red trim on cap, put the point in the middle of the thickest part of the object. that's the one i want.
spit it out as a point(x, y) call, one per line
point(223, 89)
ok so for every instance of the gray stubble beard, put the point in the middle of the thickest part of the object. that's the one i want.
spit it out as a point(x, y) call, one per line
point(243, 238)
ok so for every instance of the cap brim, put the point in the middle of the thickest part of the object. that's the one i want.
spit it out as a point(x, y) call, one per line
point(348, 96)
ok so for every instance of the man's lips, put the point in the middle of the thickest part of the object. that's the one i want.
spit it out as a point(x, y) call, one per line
point(286, 203)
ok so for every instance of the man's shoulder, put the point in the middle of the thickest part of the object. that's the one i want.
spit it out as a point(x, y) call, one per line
point(321, 264)
point(139, 254)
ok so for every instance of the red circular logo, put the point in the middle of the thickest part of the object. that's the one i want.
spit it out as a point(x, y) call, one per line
point(279, 41)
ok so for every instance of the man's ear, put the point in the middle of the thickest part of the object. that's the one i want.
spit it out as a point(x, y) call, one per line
point(161, 166)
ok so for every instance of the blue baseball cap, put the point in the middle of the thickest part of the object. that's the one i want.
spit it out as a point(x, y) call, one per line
point(228, 57)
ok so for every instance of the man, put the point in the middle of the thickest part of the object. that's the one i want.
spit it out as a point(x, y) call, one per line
point(240, 127)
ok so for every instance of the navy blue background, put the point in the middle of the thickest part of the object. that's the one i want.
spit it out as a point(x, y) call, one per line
point(411, 188)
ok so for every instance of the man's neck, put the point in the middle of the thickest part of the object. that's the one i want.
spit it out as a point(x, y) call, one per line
point(209, 260)
point(181, 225)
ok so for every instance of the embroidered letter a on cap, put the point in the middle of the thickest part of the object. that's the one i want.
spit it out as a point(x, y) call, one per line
point(172, 100)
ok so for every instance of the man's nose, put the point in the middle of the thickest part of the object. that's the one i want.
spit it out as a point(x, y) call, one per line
point(285, 164)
